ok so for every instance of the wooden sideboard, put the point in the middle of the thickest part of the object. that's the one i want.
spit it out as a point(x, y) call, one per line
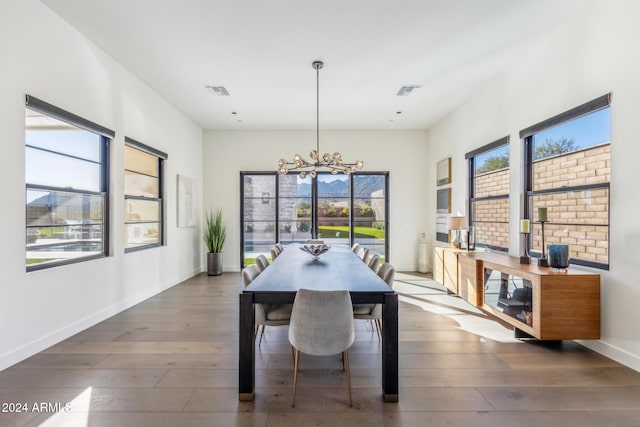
point(537, 301)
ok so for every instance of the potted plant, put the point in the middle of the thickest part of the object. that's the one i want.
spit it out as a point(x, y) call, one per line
point(214, 235)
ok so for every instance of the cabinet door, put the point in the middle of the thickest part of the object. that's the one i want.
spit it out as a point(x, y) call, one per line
point(451, 270)
point(471, 282)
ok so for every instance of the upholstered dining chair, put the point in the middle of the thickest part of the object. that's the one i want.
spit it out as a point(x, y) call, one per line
point(315, 242)
point(249, 273)
point(364, 254)
point(276, 250)
point(321, 325)
point(262, 262)
point(373, 312)
point(386, 272)
point(355, 248)
point(266, 314)
point(374, 262)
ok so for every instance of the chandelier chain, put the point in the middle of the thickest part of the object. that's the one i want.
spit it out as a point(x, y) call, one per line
point(333, 163)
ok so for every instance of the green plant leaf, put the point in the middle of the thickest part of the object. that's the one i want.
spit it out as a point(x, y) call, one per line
point(214, 233)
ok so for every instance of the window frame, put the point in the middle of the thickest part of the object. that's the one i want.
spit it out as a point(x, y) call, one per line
point(471, 158)
point(161, 157)
point(106, 136)
point(314, 207)
point(527, 138)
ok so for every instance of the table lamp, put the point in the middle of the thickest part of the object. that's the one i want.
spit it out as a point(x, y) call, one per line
point(456, 224)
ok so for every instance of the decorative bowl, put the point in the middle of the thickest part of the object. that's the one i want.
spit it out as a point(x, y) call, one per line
point(315, 250)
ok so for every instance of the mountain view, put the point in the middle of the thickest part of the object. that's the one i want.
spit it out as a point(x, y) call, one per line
point(365, 185)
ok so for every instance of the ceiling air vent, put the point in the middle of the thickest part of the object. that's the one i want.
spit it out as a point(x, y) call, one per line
point(218, 90)
point(406, 90)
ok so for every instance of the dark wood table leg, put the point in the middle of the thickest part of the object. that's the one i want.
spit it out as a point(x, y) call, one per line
point(247, 363)
point(390, 348)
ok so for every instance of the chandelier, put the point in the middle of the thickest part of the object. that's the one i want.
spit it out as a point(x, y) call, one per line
point(331, 162)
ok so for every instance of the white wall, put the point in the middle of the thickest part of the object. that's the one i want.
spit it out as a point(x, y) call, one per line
point(402, 153)
point(45, 57)
point(594, 54)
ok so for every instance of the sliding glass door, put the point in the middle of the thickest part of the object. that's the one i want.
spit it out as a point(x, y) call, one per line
point(370, 207)
point(334, 207)
point(339, 209)
point(294, 209)
point(258, 215)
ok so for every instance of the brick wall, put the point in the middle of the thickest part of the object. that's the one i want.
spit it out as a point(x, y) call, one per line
point(588, 166)
point(586, 211)
point(492, 183)
point(492, 216)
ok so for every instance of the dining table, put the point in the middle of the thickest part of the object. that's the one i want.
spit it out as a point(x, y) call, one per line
point(338, 268)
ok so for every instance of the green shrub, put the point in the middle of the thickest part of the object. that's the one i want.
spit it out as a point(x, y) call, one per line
point(304, 226)
point(331, 212)
point(365, 210)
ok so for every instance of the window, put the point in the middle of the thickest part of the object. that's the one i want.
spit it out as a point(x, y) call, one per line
point(66, 175)
point(489, 194)
point(143, 196)
point(258, 218)
point(370, 212)
point(340, 209)
point(568, 170)
point(334, 208)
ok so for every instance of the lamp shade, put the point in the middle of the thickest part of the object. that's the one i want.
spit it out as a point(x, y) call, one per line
point(457, 222)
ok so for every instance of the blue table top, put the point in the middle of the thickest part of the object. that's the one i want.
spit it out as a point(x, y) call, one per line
point(339, 268)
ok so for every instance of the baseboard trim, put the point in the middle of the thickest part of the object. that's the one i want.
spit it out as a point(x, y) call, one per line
point(612, 352)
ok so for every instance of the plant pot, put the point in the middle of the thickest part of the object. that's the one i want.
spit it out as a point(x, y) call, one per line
point(214, 263)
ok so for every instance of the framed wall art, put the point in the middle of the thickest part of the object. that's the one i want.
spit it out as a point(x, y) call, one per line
point(443, 171)
point(443, 200)
point(442, 229)
point(186, 202)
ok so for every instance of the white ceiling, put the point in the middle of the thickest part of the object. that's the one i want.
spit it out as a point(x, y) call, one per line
point(262, 50)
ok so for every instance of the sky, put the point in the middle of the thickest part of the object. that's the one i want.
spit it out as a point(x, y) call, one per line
point(586, 131)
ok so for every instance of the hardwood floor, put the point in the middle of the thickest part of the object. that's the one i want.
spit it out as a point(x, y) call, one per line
point(172, 361)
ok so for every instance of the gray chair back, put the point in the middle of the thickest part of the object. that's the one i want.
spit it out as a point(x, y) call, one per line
point(374, 262)
point(249, 273)
point(355, 248)
point(364, 254)
point(386, 273)
point(321, 322)
point(262, 262)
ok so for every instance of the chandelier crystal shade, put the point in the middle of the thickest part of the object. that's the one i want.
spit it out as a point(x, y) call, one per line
point(331, 162)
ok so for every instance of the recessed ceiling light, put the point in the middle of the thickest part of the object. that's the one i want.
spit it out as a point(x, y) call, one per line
point(406, 90)
point(218, 90)
point(398, 112)
point(234, 112)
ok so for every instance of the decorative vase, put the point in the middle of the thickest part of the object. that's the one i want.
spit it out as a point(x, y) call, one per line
point(558, 256)
point(214, 263)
